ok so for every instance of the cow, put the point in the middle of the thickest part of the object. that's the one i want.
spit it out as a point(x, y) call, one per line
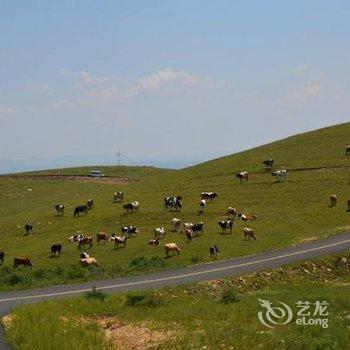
point(202, 205)
point(189, 234)
point(226, 225)
point(347, 150)
point(90, 204)
point(188, 225)
point(348, 204)
point(248, 217)
point(80, 209)
point(268, 163)
point(22, 260)
point(131, 207)
point(29, 228)
point(176, 223)
point(119, 240)
point(118, 197)
point(59, 209)
point(89, 262)
point(196, 228)
point(280, 174)
point(231, 212)
point(101, 237)
point(56, 249)
point(129, 230)
point(249, 233)
point(214, 251)
point(171, 247)
point(84, 255)
point(153, 242)
point(333, 199)
point(209, 195)
point(85, 241)
point(169, 201)
point(242, 176)
point(2, 257)
point(159, 232)
point(75, 238)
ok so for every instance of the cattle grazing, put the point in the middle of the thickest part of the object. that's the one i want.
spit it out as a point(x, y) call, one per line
point(159, 232)
point(90, 204)
point(85, 241)
point(226, 225)
point(202, 205)
point(214, 251)
point(249, 233)
point(198, 228)
point(2, 257)
point(22, 260)
point(333, 199)
point(176, 223)
point(29, 228)
point(56, 249)
point(80, 209)
point(129, 230)
point(118, 197)
point(171, 247)
point(209, 195)
point(173, 203)
point(153, 242)
point(89, 262)
point(84, 255)
point(243, 176)
point(131, 207)
point(119, 240)
point(347, 150)
point(188, 225)
point(248, 217)
point(280, 174)
point(101, 237)
point(75, 237)
point(59, 209)
point(268, 163)
point(189, 234)
point(231, 212)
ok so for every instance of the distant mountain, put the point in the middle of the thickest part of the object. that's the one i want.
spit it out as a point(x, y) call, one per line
point(30, 164)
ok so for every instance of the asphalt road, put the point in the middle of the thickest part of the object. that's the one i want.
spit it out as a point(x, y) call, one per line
point(187, 275)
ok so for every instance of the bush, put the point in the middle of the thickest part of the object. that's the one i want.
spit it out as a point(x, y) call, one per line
point(142, 262)
point(96, 294)
point(148, 299)
point(196, 259)
point(228, 296)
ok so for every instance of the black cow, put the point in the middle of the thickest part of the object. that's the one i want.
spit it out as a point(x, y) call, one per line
point(214, 251)
point(197, 227)
point(2, 257)
point(56, 249)
point(80, 209)
point(268, 163)
point(225, 225)
point(59, 209)
point(29, 228)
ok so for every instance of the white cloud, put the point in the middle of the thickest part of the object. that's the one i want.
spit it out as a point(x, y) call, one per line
point(87, 78)
point(301, 68)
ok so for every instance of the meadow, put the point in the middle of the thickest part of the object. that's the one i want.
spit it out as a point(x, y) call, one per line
point(288, 212)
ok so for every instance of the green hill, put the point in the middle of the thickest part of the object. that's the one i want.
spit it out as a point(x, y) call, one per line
point(288, 212)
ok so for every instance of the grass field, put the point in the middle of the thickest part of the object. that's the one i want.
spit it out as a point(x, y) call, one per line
point(213, 315)
point(289, 212)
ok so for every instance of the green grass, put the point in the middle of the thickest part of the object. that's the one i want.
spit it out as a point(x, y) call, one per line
point(288, 212)
point(211, 315)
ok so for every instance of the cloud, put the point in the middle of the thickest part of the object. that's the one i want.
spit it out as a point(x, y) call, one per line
point(87, 78)
point(301, 68)
point(7, 110)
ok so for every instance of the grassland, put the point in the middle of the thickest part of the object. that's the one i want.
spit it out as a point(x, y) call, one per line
point(289, 212)
point(200, 316)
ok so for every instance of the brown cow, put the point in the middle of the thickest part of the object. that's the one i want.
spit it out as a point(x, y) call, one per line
point(171, 247)
point(89, 262)
point(102, 237)
point(84, 241)
point(333, 199)
point(248, 233)
point(22, 260)
point(231, 212)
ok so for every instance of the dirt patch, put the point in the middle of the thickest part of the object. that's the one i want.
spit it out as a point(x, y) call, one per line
point(132, 336)
point(308, 239)
point(80, 178)
point(343, 228)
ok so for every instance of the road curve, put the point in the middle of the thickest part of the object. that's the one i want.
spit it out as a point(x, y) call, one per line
point(196, 273)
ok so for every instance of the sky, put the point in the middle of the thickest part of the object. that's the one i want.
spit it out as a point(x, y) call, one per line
point(164, 78)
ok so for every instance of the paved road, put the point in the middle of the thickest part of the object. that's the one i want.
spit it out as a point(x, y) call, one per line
point(203, 272)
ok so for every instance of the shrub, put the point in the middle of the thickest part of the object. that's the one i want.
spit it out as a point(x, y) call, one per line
point(148, 299)
point(228, 296)
point(196, 259)
point(142, 262)
point(96, 294)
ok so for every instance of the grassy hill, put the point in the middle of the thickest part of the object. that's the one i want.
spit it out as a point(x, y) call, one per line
point(289, 212)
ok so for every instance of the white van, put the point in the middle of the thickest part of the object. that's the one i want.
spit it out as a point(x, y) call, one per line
point(96, 173)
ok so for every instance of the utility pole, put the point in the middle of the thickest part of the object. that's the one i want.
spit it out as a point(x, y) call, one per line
point(118, 157)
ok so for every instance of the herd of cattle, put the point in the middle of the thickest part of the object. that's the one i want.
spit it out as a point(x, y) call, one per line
point(189, 229)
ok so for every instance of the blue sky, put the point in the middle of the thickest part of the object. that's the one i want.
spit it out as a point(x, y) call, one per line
point(155, 78)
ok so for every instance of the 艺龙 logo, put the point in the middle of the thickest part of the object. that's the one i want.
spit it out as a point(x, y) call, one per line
point(274, 315)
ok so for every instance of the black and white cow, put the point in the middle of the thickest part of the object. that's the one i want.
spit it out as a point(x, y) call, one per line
point(131, 207)
point(214, 251)
point(242, 176)
point(176, 223)
point(347, 150)
point(173, 203)
point(59, 209)
point(56, 249)
point(84, 255)
point(129, 230)
point(119, 240)
point(231, 212)
point(202, 205)
point(80, 209)
point(226, 225)
point(118, 197)
point(198, 228)
point(90, 203)
point(159, 232)
point(29, 228)
point(209, 195)
point(280, 174)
